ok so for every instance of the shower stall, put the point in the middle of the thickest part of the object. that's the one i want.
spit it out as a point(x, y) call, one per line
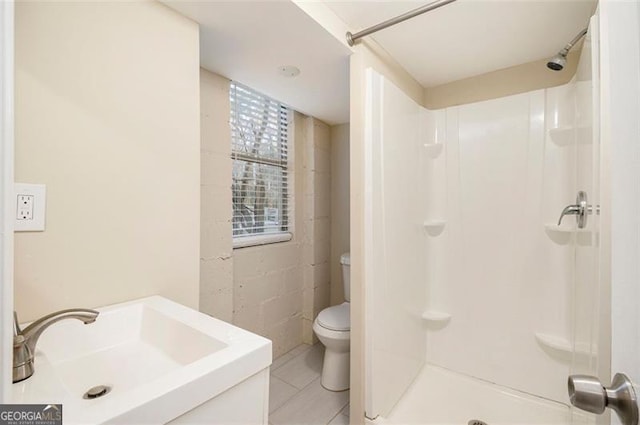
point(478, 303)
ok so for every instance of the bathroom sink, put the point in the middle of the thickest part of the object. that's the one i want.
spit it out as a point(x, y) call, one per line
point(156, 358)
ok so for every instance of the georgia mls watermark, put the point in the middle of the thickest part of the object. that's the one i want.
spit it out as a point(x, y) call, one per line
point(30, 414)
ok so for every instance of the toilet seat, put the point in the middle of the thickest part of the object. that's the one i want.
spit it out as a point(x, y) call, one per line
point(336, 318)
point(338, 337)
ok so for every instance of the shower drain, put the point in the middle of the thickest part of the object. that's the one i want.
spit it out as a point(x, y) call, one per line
point(476, 422)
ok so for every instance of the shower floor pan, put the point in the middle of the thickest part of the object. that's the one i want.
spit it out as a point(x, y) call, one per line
point(442, 397)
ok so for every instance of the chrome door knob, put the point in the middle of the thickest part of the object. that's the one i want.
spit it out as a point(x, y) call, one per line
point(587, 393)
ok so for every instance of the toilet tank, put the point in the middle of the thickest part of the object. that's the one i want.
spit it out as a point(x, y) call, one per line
point(345, 261)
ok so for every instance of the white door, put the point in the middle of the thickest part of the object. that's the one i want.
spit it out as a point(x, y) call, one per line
point(620, 117)
point(617, 190)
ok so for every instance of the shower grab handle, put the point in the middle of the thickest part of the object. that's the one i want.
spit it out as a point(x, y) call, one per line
point(581, 209)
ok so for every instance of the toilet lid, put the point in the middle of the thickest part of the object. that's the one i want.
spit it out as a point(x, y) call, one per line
point(336, 318)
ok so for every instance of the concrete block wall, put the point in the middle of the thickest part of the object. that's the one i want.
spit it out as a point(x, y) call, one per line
point(340, 228)
point(267, 296)
point(317, 224)
point(216, 210)
point(268, 279)
point(273, 290)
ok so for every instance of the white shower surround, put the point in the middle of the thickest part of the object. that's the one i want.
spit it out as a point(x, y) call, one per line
point(465, 251)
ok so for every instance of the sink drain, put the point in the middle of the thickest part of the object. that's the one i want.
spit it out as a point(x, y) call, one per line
point(96, 392)
point(476, 422)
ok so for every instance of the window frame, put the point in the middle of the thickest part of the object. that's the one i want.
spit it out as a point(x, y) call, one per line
point(285, 164)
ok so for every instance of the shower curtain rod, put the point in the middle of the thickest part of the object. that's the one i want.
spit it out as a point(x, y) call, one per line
point(352, 38)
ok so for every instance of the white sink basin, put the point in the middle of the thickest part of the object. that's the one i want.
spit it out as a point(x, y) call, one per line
point(159, 358)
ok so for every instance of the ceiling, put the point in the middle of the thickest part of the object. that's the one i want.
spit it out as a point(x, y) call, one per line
point(248, 41)
point(469, 37)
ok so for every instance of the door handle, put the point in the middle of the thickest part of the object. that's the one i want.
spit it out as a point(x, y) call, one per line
point(581, 209)
point(588, 393)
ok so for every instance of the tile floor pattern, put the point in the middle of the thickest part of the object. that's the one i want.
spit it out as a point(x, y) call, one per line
point(295, 394)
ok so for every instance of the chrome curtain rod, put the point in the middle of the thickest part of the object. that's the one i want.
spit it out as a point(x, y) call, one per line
point(352, 38)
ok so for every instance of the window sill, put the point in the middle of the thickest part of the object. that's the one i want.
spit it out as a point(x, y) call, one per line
point(248, 241)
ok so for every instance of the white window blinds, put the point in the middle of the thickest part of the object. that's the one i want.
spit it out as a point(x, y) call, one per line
point(259, 148)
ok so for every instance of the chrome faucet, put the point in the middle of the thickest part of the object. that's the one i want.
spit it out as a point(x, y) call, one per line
point(571, 210)
point(581, 209)
point(24, 341)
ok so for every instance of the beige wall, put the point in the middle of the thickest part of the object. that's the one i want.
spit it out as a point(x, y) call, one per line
point(340, 228)
point(366, 55)
point(504, 82)
point(216, 242)
point(109, 122)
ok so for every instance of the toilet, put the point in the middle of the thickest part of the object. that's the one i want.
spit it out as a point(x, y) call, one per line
point(333, 329)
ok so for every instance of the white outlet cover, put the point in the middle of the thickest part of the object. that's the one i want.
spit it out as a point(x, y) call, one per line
point(39, 193)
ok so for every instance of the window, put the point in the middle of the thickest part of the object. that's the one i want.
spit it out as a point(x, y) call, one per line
point(259, 148)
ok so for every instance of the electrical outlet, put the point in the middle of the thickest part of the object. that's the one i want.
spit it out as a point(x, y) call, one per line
point(30, 202)
point(24, 207)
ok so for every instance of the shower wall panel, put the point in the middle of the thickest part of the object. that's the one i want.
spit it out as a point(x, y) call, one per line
point(507, 278)
point(591, 324)
point(397, 293)
point(469, 267)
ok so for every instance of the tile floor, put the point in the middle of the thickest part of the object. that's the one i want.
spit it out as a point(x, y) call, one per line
point(295, 394)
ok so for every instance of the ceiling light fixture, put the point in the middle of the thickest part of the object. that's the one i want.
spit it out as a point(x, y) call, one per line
point(288, 71)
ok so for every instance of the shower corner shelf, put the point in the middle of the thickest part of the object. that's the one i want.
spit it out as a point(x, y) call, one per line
point(554, 342)
point(563, 345)
point(564, 135)
point(553, 227)
point(436, 317)
point(433, 149)
point(434, 227)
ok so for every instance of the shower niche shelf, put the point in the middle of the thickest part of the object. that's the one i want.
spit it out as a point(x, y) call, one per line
point(433, 149)
point(434, 227)
point(436, 317)
point(564, 135)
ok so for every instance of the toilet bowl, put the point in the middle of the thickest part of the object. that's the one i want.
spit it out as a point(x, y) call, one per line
point(333, 329)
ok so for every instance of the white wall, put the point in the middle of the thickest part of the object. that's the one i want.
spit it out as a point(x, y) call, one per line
point(109, 122)
point(6, 196)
